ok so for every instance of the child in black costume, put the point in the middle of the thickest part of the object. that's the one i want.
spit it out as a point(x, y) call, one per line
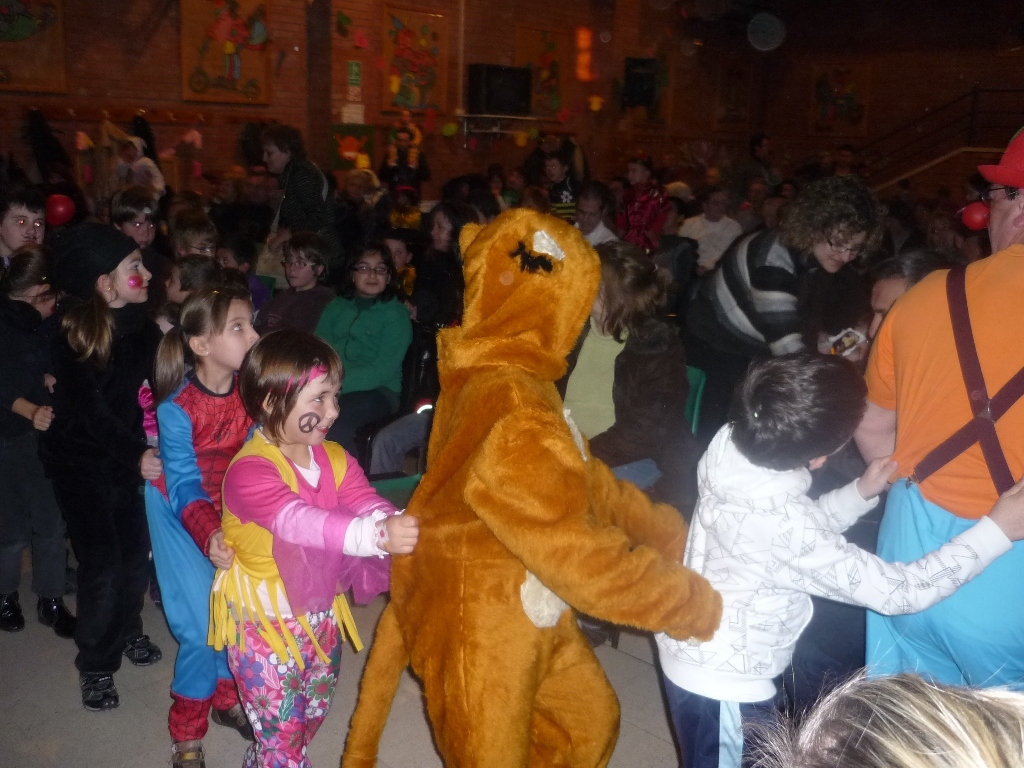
point(95, 450)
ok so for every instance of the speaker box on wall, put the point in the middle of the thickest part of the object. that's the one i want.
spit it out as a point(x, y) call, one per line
point(495, 90)
point(638, 85)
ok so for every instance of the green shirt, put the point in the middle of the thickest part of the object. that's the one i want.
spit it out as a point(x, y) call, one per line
point(588, 393)
point(371, 337)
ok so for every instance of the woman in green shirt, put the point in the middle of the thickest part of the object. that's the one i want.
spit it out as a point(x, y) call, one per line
point(369, 328)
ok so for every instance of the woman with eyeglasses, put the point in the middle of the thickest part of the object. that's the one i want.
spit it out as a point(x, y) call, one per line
point(369, 327)
point(300, 306)
point(29, 515)
point(760, 301)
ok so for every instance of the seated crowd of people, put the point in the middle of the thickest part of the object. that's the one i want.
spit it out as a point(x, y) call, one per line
point(773, 287)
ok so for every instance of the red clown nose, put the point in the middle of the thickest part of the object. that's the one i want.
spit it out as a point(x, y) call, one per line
point(975, 216)
point(60, 209)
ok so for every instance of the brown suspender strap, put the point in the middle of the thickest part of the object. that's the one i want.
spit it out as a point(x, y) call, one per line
point(982, 428)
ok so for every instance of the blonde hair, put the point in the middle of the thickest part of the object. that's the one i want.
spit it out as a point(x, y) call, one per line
point(88, 327)
point(204, 312)
point(901, 722)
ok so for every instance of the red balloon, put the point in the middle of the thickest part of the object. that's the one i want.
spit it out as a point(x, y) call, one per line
point(60, 209)
point(975, 216)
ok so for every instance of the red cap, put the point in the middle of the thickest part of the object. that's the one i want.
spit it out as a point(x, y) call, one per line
point(1010, 171)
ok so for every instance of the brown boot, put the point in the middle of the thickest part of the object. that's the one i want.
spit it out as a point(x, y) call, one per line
point(188, 754)
point(234, 718)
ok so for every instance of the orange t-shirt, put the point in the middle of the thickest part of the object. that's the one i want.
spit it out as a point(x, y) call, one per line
point(914, 370)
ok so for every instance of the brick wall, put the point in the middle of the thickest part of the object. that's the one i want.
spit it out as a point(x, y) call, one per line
point(123, 57)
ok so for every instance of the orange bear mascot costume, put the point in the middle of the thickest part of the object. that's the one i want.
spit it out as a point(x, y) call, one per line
point(519, 522)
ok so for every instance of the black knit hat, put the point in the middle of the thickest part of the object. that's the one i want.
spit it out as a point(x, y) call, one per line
point(87, 251)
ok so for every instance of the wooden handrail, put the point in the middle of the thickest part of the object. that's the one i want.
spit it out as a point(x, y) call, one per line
point(937, 161)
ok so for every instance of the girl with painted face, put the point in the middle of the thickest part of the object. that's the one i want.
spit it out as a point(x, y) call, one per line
point(305, 526)
point(95, 450)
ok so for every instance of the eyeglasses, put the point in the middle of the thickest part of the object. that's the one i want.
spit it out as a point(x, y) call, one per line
point(1010, 193)
point(295, 264)
point(144, 225)
point(853, 250)
point(365, 269)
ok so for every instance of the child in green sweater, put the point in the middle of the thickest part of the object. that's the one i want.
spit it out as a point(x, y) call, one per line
point(369, 327)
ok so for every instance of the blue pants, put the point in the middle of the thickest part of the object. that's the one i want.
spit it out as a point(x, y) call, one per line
point(709, 732)
point(186, 576)
point(643, 473)
point(975, 636)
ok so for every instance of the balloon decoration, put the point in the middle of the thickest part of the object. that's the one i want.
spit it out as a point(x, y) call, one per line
point(430, 120)
point(975, 216)
point(60, 209)
point(521, 138)
point(449, 129)
point(471, 144)
point(563, 115)
point(596, 103)
point(533, 133)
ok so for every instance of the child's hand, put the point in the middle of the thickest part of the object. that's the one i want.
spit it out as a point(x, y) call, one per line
point(221, 555)
point(150, 465)
point(1008, 512)
point(876, 477)
point(402, 534)
point(42, 418)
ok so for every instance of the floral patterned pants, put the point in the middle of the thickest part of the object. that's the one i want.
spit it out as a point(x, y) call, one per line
point(286, 704)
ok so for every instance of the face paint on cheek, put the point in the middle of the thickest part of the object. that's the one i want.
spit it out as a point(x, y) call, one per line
point(135, 281)
point(308, 422)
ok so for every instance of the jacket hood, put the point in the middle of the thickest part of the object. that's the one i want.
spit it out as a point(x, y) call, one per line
point(531, 280)
point(728, 475)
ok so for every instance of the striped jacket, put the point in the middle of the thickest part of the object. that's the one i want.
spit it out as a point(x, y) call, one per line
point(750, 303)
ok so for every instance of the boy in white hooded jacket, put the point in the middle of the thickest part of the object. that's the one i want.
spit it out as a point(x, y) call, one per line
point(766, 547)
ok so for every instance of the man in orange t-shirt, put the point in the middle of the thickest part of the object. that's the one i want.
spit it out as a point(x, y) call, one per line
point(917, 399)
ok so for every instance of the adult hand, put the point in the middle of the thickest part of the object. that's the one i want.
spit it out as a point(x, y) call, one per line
point(221, 555)
point(402, 534)
point(876, 477)
point(150, 465)
point(1008, 512)
point(42, 417)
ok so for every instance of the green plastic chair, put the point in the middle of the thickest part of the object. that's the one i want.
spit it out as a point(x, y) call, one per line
point(696, 377)
point(397, 490)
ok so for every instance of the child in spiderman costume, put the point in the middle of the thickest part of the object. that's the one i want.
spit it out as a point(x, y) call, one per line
point(202, 425)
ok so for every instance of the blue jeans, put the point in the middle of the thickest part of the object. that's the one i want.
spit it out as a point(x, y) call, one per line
point(973, 637)
point(709, 732)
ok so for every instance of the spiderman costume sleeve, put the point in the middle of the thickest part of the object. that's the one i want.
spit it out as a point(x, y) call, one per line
point(188, 498)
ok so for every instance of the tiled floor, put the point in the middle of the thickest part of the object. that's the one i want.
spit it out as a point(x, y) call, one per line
point(42, 723)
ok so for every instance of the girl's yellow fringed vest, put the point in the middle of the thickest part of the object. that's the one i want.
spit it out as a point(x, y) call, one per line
point(236, 592)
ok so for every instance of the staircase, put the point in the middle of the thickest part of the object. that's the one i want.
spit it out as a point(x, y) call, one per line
point(944, 145)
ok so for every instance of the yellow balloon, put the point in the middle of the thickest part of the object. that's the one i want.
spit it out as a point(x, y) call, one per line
point(395, 83)
point(521, 139)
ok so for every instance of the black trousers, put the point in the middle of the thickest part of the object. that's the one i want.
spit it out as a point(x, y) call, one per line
point(107, 525)
point(29, 517)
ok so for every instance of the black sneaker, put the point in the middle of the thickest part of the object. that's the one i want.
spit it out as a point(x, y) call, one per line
point(140, 652)
point(98, 692)
point(11, 617)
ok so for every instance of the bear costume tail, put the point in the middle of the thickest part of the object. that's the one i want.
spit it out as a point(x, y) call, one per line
point(384, 667)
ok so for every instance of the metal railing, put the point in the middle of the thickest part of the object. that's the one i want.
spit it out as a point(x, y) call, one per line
point(983, 117)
